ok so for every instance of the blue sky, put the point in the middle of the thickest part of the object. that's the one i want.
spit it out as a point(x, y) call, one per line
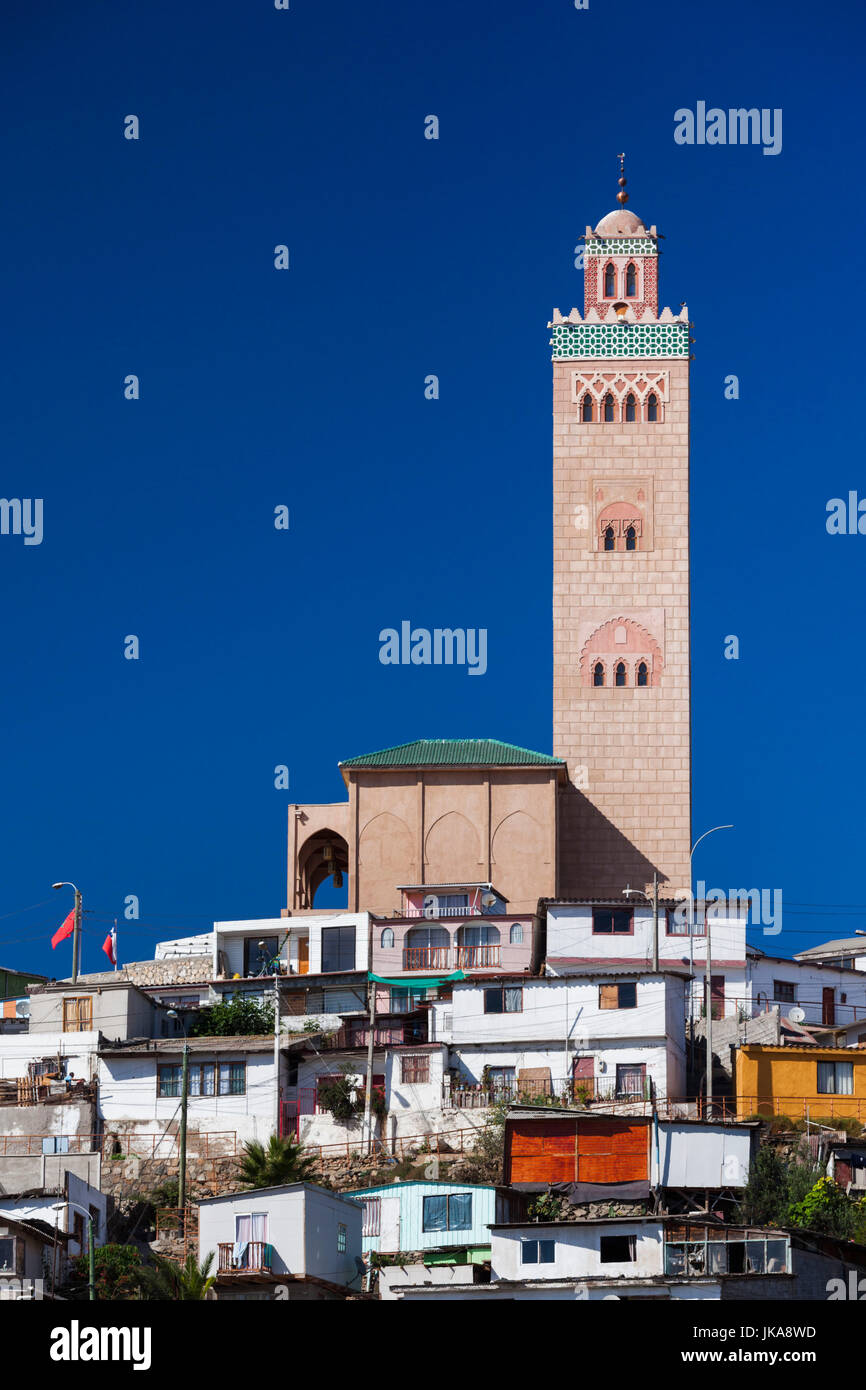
point(306, 388)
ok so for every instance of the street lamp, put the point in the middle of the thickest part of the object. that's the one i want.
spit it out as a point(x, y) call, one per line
point(76, 928)
point(629, 892)
point(184, 1100)
point(91, 1283)
point(708, 974)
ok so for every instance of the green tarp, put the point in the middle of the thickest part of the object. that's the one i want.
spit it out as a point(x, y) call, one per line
point(429, 982)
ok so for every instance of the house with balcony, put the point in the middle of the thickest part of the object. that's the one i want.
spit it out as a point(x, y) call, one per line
point(607, 1033)
point(445, 928)
point(295, 1242)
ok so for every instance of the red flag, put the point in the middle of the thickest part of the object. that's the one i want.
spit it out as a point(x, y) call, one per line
point(63, 931)
point(109, 946)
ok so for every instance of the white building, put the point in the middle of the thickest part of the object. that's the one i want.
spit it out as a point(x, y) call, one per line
point(311, 945)
point(828, 982)
point(617, 1031)
point(232, 1095)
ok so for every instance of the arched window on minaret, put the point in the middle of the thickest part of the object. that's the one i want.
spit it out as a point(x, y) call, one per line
point(630, 280)
point(630, 538)
point(630, 405)
point(609, 538)
point(598, 674)
point(642, 674)
point(619, 676)
point(608, 407)
point(586, 410)
point(652, 407)
point(609, 280)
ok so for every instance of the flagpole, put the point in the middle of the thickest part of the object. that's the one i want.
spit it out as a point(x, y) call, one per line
point(76, 926)
point(76, 937)
point(115, 945)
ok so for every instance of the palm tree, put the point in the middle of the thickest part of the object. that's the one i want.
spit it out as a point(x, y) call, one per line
point(165, 1281)
point(283, 1161)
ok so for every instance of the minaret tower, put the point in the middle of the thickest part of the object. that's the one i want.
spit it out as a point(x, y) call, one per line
point(621, 710)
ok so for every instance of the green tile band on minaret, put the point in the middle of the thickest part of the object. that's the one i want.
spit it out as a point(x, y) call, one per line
point(634, 340)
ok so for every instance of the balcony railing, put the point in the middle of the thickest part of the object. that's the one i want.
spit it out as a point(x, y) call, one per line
point(445, 912)
point(425, 957)
point(477, 957)
point(254, 1257)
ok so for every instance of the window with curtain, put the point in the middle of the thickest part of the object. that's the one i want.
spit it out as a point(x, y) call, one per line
point(451, 1212)
point(168, 1080)
point(403, 1000)
point(232, 1078)
point(630, 1080)
point(387, 939)
point(836, 1078)
point(482, 934)
point(515, 936)
point(78, 1014)
point(415, 1068)
point(503, 1000)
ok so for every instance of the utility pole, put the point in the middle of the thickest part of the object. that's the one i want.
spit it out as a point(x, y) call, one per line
point(76, 937)
point(278, 1129)
point(368, 1093)
point(709, 1029)
point(181, 1176)
point(655, 921)
point(91, 1262)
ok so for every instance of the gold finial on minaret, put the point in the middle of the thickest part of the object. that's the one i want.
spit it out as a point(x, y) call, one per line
point(622, 196)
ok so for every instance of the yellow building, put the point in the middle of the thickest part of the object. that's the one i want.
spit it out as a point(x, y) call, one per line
point(796, 1081)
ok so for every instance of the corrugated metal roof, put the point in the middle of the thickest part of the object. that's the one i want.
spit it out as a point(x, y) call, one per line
point(454, 752)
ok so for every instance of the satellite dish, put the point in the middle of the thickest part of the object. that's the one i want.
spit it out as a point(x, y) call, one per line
point(797, 1015)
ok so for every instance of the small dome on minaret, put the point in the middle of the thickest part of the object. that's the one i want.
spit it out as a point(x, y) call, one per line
point(621, 222)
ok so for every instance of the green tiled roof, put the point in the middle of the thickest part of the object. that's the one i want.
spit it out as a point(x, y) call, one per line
point(454, 752)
